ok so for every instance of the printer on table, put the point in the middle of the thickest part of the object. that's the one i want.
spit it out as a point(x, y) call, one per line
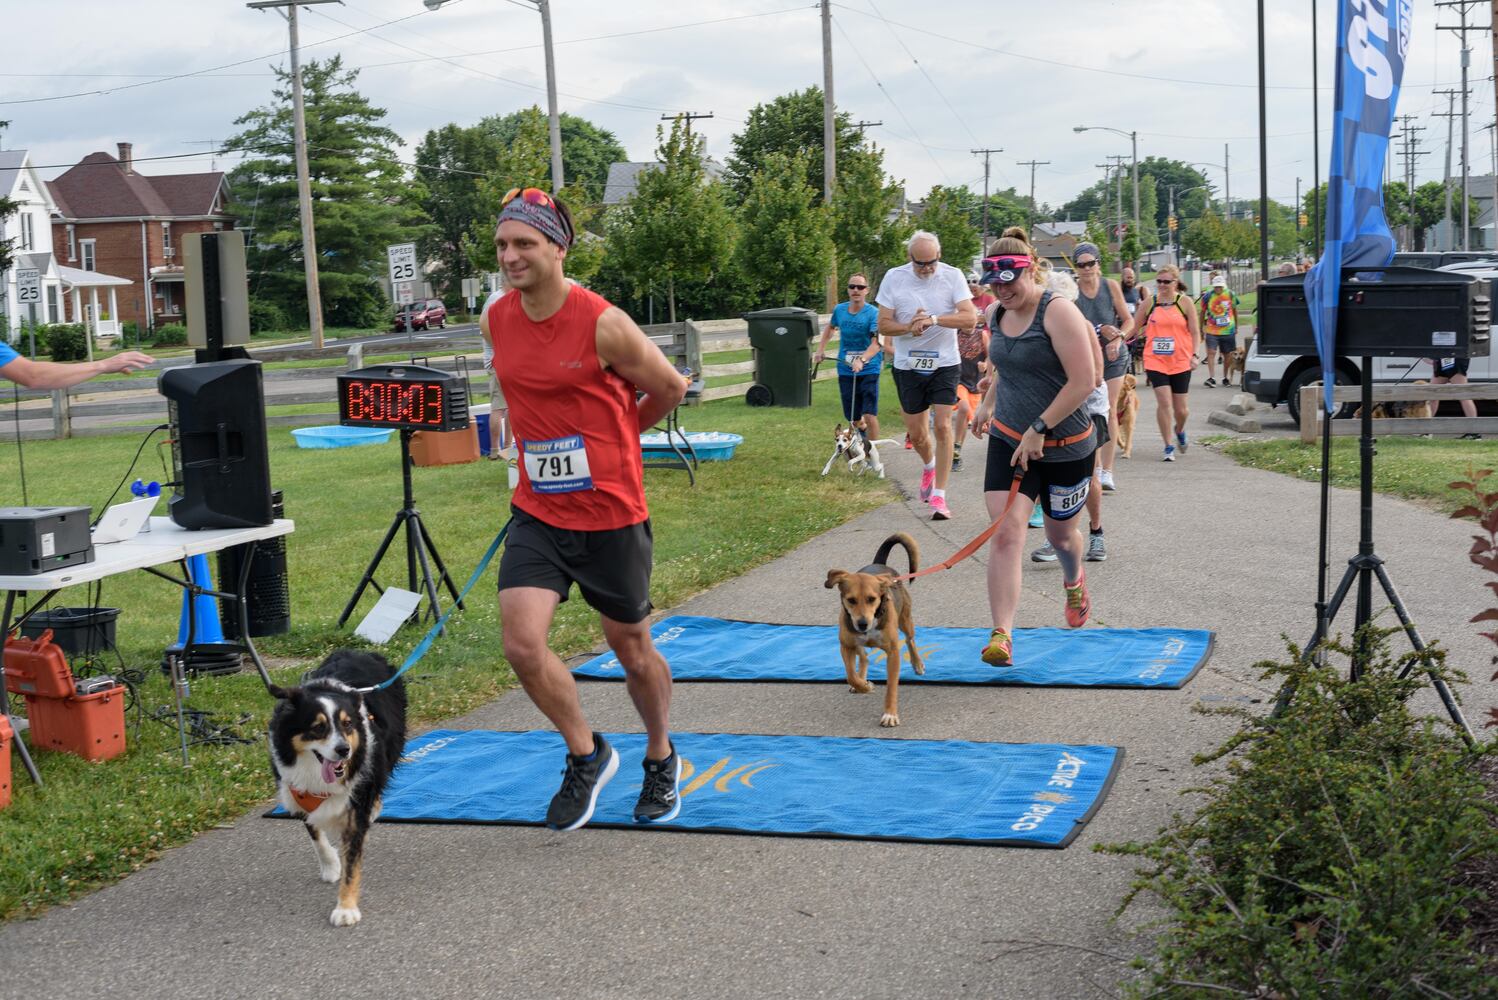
point(37, 540)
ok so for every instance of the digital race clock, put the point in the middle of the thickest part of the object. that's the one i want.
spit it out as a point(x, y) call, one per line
point(410, 397)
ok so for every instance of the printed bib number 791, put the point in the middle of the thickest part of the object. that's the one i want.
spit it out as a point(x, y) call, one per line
point(557, 466)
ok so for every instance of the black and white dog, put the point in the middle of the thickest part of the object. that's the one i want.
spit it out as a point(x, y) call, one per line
point(861, 453)
point(332, 751)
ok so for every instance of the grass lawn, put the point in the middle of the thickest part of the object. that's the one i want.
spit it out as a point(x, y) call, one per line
point(94, 823)
point(1414, 468)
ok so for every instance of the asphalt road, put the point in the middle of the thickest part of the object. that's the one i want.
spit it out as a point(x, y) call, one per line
point(469, 910)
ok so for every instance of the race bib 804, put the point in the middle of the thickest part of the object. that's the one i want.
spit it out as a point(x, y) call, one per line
point(557, 466)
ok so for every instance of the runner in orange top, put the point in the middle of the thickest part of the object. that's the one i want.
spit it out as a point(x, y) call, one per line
point(1171, 333)
point(571, 366)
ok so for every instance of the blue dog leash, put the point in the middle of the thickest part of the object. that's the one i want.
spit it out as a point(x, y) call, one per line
point(426, 643)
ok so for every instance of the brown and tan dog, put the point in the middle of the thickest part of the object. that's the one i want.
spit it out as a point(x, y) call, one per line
point(1233, 364)
point(1398, 409)
point(1128, 415)
point(875, 610)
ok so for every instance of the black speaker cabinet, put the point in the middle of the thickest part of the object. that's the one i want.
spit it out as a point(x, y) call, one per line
point(219, 450)
point(1386, 312)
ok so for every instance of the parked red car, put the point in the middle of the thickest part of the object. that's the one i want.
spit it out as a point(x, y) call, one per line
point(428, 315)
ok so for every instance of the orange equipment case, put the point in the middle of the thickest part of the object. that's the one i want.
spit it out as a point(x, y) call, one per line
point(445, 447)
point(91, 725)
point(5, 738)
point(37, 667)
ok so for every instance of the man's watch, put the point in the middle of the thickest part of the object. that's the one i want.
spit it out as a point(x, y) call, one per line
point(1039, 427)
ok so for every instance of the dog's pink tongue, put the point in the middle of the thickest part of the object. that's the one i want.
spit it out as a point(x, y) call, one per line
point(329, 772)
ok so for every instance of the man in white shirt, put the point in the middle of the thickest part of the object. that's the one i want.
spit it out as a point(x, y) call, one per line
point(922, 305)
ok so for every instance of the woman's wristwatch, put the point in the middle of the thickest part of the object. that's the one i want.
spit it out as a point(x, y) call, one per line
point(1039, 427)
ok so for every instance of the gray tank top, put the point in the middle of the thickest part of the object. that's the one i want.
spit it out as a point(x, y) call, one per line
point(1030, 376)
point(1098, 310)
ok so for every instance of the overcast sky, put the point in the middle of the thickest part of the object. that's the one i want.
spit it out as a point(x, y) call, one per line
point(944, 76)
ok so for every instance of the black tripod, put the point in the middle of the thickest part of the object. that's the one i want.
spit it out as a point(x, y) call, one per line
point(418, 544)
point(1363, 567)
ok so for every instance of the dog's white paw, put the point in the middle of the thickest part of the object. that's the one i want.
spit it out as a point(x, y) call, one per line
point(862, 687)
point(329, 872)
point(345, 916)
point(889, 720)
point(920, 668)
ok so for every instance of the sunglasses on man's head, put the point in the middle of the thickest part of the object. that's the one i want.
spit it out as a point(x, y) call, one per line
point(534, 196)
point(1083, 264)
point(856, 288)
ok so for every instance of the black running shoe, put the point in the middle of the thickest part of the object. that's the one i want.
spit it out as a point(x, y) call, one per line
point(659, 798)
point(583, 779)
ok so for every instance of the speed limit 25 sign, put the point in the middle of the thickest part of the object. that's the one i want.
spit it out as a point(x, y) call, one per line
point(28, 285)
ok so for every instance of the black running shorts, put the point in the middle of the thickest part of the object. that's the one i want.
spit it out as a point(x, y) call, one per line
point(918, 393)
point(1061, 487)
point(1179, 383)
point(611, 568)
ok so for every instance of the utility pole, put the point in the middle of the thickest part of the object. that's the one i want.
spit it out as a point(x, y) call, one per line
point(863, 125)
point(689, 116)
point(1032, 164)
point(303, 178)
point(1463, 6)
point(829, 137)
point(1118, 162)
point(1298, 250)
point(1411, 139)
point(554, 119)
point(1227, 185)
point(1450, 115)
point(1316, 141)
point(985, 153)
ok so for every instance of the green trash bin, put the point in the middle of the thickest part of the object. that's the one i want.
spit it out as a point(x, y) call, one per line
point(781, 339)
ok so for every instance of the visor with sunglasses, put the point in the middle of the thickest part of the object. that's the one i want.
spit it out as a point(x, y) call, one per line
point(1004, 268)
point(538, 209)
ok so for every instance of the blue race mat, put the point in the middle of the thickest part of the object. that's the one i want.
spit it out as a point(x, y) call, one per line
point(1025, 795)
point(712, 649)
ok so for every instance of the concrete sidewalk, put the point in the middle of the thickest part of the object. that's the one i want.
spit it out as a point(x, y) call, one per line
point(459, 910)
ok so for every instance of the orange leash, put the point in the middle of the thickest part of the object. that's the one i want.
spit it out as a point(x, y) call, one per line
point(988, 532)
point(976, 543)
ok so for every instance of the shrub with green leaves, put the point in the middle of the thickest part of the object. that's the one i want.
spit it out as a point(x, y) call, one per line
point(65, 341)
point(266, 316)
point(171, 335)
point(1323, 858)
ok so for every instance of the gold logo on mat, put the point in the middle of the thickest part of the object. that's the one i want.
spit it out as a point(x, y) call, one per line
point(877, 655)
point(1056, 797)
point(720, 775)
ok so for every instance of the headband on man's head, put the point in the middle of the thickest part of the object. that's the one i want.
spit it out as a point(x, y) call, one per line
point(536, 208)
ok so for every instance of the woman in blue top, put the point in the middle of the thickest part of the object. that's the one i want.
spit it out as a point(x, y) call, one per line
point(859, 358)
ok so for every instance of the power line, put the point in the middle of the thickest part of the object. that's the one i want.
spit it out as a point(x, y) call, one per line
point(889, 97)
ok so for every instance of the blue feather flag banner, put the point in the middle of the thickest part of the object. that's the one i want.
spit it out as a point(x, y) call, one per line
point(1372, 40)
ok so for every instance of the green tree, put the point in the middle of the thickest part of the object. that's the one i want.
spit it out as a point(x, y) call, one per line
point(868, 233)
point(1157, 175)
point(785, 248)
point(587, 150)
point(1097, 234)
point(525, 161)
point(791, 124)
point(948, 214)
point(677, 226)
point(454, 161)
point(7, 209)
point(1206, 238)
point(1099, 198)
point(362, 199)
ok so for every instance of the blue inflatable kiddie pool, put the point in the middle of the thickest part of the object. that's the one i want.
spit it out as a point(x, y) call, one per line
point(336, 436)
point(710, 446)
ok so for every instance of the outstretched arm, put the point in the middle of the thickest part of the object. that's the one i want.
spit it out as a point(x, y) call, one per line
point(55, 375)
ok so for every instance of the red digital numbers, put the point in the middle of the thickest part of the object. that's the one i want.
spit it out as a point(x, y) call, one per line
point(413, 404)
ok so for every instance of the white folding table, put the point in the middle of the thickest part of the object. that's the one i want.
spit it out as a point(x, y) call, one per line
point(165, 543)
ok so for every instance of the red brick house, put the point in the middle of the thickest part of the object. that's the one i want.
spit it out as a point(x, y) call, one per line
point(112, 219)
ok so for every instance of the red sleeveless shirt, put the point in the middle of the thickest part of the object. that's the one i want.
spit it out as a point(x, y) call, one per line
point(576, 422)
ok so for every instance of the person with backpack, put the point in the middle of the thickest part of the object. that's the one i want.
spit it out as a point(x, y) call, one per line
point(1219, 312)
point(1171, 333)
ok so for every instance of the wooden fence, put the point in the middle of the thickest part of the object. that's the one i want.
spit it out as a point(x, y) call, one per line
point(1311, 410)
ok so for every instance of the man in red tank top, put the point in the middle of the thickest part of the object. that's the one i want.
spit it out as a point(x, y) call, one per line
point(571, 365)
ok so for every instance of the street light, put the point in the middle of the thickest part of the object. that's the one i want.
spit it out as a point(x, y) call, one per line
point(303, 181)
point(554, 119)
point(1133, 137)
point(1172, 241)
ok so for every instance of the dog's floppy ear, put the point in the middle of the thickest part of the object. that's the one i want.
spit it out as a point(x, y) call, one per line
point(834, 577)
point(283, 694)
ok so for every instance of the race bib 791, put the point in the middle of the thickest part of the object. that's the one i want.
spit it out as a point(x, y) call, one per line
point(557, 466)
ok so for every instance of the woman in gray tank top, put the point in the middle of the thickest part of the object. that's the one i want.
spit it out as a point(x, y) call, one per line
point(1041, 349)
point(1101, 301)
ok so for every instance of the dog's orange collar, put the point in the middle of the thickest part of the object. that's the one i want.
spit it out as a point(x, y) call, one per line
point(308, 800)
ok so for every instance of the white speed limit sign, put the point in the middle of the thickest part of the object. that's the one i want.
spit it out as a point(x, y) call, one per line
point(28, 285)
point(402, 262)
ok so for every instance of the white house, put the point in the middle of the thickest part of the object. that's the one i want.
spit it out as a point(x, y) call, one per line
point(29, 229)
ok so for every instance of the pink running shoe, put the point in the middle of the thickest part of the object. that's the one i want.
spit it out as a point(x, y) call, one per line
point(928, 483)
point(939, 511)
point(1078, 604)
